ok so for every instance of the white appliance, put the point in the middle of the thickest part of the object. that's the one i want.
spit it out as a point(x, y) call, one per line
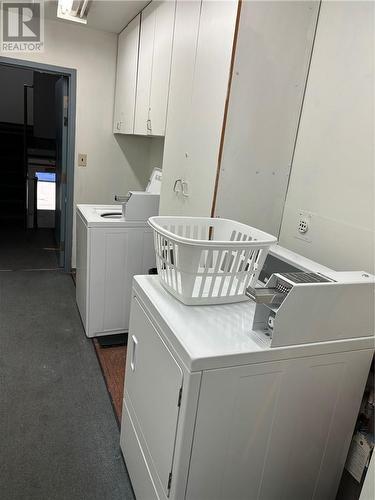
point(111, 249)
point(141, 205)
point(219, 404)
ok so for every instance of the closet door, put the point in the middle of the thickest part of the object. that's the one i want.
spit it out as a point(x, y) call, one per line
point(180, 93)
point(146, 48)
point(207, 106)
point(201, 58)
point(161, 67)
point(126, 78)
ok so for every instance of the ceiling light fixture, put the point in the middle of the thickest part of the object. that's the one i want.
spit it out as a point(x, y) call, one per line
point(73, 10)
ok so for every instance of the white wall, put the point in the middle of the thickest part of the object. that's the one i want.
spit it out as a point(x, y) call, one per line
point(12, 81)
point(273, 52)
point(115, 164)
point(333, 169)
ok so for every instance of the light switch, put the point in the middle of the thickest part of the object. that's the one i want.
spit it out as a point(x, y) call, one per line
point(82, 160)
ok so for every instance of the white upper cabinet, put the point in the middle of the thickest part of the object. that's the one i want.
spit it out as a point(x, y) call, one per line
point(146, 49)
point(126, 79)
point(155, 49)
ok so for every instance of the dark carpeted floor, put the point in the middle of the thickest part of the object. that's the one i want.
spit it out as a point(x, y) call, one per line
point(59, 439)
point(31, 249)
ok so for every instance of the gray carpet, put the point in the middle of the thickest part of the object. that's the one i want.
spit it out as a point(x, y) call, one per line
point(58, 434)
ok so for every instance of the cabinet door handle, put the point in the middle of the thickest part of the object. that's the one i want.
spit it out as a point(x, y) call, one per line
point(134, 350)
point(148, 125)
point(177, 187)
point(185, 189)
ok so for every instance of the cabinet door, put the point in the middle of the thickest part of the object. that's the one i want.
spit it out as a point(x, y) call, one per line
point(152, 384)
point(211, 80)
point(180, 92)
point(126, 79)
point(146, 48)
point(201, 60)
point(161, 67)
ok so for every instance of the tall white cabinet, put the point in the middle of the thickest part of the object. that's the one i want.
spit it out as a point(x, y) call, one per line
point(126, 78)
point(237, 81)
point(202, 48)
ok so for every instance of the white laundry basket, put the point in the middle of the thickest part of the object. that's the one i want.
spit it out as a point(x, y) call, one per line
point(203, 260)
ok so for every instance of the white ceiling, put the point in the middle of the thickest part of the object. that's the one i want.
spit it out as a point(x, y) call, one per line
point(106, 15)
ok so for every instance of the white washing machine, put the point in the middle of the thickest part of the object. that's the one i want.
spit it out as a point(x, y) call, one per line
point(111, 249)
point(222, 403)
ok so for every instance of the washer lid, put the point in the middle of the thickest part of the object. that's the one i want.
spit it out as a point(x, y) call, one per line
point(106, 216)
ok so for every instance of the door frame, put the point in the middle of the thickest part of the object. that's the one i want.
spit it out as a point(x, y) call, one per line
point(71, 75)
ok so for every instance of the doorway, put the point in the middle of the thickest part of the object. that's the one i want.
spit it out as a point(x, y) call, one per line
point(37, 133)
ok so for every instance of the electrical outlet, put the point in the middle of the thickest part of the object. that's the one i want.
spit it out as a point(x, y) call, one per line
point(82, 160)
point(303, 225)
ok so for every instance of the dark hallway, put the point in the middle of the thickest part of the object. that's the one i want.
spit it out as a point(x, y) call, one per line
point(27, 146)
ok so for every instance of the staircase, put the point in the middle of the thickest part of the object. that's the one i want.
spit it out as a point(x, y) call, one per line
point(12, 176)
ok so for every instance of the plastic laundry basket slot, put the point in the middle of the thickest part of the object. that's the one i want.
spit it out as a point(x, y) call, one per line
point(203, 260)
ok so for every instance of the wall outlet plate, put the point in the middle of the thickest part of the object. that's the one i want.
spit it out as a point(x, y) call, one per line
point(303, 225)
point(82, 160)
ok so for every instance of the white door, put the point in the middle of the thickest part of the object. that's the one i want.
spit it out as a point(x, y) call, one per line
point(126, 79)
point(146, 48)
point(202, 49)
point(161, 67)
point(180, 93)
point(152, 386)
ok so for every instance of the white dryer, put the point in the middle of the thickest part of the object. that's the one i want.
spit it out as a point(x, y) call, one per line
point(222, 403)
